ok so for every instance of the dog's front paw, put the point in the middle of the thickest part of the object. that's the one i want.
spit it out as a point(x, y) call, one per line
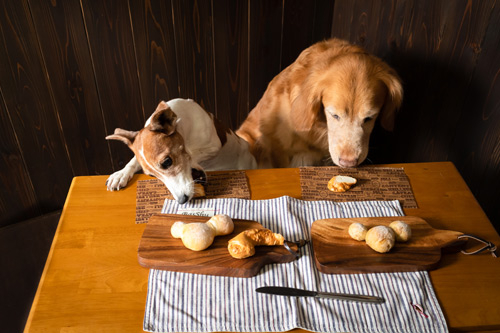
point(118, 180)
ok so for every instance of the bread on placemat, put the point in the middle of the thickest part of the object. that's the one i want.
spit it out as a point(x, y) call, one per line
point(341, 183)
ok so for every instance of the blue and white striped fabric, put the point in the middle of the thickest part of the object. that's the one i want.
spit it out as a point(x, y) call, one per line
point(182, 302)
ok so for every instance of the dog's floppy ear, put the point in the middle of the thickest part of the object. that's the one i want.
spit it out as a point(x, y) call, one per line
point(305, 109)
point(124, 136)
point(163, 119)
point(393, 99)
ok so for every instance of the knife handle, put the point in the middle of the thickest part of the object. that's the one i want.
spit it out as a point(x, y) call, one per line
point(351, 297)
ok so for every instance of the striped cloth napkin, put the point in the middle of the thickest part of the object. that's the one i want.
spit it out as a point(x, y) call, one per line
point(182, 302)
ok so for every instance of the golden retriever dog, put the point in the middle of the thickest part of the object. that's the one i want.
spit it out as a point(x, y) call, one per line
point(322, 108)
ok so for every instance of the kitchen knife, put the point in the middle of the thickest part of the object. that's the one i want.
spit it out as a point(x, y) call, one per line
point(294, 292)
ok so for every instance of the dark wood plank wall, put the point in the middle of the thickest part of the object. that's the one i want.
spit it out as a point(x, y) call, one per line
point(72, 71)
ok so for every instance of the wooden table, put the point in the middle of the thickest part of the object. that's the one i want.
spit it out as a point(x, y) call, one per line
point(93, 282)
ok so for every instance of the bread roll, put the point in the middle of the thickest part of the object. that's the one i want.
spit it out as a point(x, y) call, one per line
point(196, 236)
point(380, 238)
point(357, 231)
point(402, 230)
point(222, 224)
point(199, 236)
point(176, 229)
point(341, 183)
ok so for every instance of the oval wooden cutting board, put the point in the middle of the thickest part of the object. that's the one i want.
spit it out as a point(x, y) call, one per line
point(336, 252)
point(159, 250)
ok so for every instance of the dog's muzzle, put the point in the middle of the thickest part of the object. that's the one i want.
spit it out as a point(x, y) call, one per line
point(183, 200)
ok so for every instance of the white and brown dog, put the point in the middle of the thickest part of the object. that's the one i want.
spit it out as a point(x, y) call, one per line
point(179, 141)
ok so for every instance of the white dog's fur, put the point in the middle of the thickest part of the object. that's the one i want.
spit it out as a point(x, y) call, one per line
point(183, 133)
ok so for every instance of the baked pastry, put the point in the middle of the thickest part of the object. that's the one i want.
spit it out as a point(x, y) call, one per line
point(198, 236)
point(402, 230)
point(222, 224)
point(341, 183)
point(380, 238)
point(243, 245)
point(194, 236)
point(357, 231)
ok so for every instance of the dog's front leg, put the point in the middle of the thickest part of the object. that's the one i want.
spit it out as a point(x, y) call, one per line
point(120, 179)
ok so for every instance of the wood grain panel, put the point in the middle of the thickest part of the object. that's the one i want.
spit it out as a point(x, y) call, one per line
point(264, 61)
point(437, 67)
point(279, 31)
point(299, 22)
point(369, 24)
point(61, 31)
point(230, 19)
point(194, 48)
point(323, 17)
point(17, 196)
point(112, 51)
point(478, 137)
point(155, 49)
point(27, 97)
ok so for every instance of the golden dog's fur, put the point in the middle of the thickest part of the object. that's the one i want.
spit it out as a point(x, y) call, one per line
point(322, 108)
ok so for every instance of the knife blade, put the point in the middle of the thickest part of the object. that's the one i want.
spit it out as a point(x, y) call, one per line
point(294, 292)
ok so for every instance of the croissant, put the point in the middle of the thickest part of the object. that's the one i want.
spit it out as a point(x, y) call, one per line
point(243, 245)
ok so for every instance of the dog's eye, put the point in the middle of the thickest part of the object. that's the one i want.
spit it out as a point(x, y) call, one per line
point(166, 163)
point(336, 117)
point(367, 119)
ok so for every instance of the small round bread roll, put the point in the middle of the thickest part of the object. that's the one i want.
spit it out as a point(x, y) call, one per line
point(177, 229)
point(380, 238)
point(357, 231)
point(222, 224)
point(402, 230)
point(197, 236)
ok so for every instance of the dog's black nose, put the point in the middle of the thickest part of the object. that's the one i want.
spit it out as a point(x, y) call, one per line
point(182, 200)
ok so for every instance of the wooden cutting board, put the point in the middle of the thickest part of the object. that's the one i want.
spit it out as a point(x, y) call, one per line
point(159, 250)
point(336, 252)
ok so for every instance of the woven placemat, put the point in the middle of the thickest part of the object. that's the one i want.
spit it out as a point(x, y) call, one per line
point(374, 183)
point(151, 193)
